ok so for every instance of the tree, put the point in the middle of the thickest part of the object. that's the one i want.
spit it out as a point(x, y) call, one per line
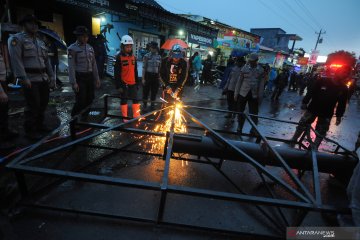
point(341, 57)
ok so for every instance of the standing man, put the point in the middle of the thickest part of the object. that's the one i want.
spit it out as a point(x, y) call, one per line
point(281, 82)
point(31, 66)
point(327, 92)
point(83, 73)
point(151, 74)
point(196, 64)
point(100, 54)
point(173, 73)
point(126, 77)
point(250, 90)
point(5, 133)
point(206, 73)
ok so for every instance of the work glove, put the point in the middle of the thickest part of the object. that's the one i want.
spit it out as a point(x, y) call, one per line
point(3, 97)
point(176, 93)
point(168, 90)
point(303, 106)
point(338, 121)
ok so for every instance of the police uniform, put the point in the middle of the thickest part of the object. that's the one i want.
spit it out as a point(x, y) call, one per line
point(126, 79)
point(29, 61)
point(173, 75)
point(151, 65)
point(321, 100)
point(84, 72)
point(249, 90)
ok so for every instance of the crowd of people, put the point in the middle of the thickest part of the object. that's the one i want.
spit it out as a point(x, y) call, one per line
point(248, 82)
point(34, 66)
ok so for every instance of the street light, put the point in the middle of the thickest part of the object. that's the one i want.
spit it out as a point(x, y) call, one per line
point(103, 19)
point(181, 32)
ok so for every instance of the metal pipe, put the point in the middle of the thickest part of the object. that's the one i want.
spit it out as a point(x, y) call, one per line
point(295, 158)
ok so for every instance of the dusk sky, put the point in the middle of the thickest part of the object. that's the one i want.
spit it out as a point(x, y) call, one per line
point(340, 19)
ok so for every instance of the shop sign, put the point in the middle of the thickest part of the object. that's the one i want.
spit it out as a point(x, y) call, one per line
point(313, 57)
point(200, 39)
point(303, 60)
point(238, 40)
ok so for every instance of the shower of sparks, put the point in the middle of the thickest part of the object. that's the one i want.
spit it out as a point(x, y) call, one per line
point(155, 143)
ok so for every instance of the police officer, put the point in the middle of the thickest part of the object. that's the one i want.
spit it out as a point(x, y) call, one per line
point(327, 91)
point(126, 77)
point(173, 73)
point(83, 72)
point(5, 133)
point(249, 89)
point(151, 74)
point(31, 66)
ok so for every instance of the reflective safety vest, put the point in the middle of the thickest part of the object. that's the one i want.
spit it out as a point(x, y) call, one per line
point(128, 69)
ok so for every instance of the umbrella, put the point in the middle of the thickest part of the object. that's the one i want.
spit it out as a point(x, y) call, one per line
point(53, 35)
point(171, 42)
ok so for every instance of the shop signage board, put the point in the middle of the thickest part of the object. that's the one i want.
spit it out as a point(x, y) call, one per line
point(313, 57)
point(303, 61)
point(200, 39)
point(240, 40)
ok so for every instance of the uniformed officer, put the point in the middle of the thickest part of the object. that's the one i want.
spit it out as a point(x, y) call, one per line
point(126, 77)
point(5, 133)
point(31, 66)
point(249, 89)
point(150, 74)
point(83, 72)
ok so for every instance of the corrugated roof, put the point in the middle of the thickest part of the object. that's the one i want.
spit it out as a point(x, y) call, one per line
point(152, 3)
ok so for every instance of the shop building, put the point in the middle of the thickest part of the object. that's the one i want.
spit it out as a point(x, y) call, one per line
point(144, 20)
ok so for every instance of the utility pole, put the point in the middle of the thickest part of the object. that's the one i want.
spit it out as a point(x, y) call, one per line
point(318, 39)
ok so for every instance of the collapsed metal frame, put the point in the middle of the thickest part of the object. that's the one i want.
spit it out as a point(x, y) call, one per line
point(305, 203)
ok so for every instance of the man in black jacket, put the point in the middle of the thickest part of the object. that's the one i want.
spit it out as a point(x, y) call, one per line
point(173, 74)
point(320, 101)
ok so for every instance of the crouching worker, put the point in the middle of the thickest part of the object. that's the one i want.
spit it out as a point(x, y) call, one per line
point(173, 73)
point(126, 77)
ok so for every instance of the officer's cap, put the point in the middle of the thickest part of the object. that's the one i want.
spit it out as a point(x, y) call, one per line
point(81, 30)
point(29, 18)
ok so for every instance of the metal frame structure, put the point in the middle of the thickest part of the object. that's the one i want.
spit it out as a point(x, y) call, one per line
point(304, 203)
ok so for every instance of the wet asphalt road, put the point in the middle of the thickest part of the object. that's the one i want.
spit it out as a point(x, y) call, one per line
point(36, 224)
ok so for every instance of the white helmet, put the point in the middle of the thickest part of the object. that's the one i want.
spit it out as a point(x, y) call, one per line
point(126, 39)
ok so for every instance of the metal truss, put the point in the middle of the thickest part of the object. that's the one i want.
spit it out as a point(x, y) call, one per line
point(306, 200)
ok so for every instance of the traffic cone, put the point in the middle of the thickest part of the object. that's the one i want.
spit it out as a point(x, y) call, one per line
point(136, 110)
point(124, 111)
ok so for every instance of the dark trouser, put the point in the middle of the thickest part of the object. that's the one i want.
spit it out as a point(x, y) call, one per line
point(277, 93)
point(230, 100)
point(130, 92)
point(151, 85)
point(100, 62)
point(292, 85)
point(37, 99)
point(322, 126)
point(253, 108)
point(86, 94)
point(4, 108)
point(206, 76)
